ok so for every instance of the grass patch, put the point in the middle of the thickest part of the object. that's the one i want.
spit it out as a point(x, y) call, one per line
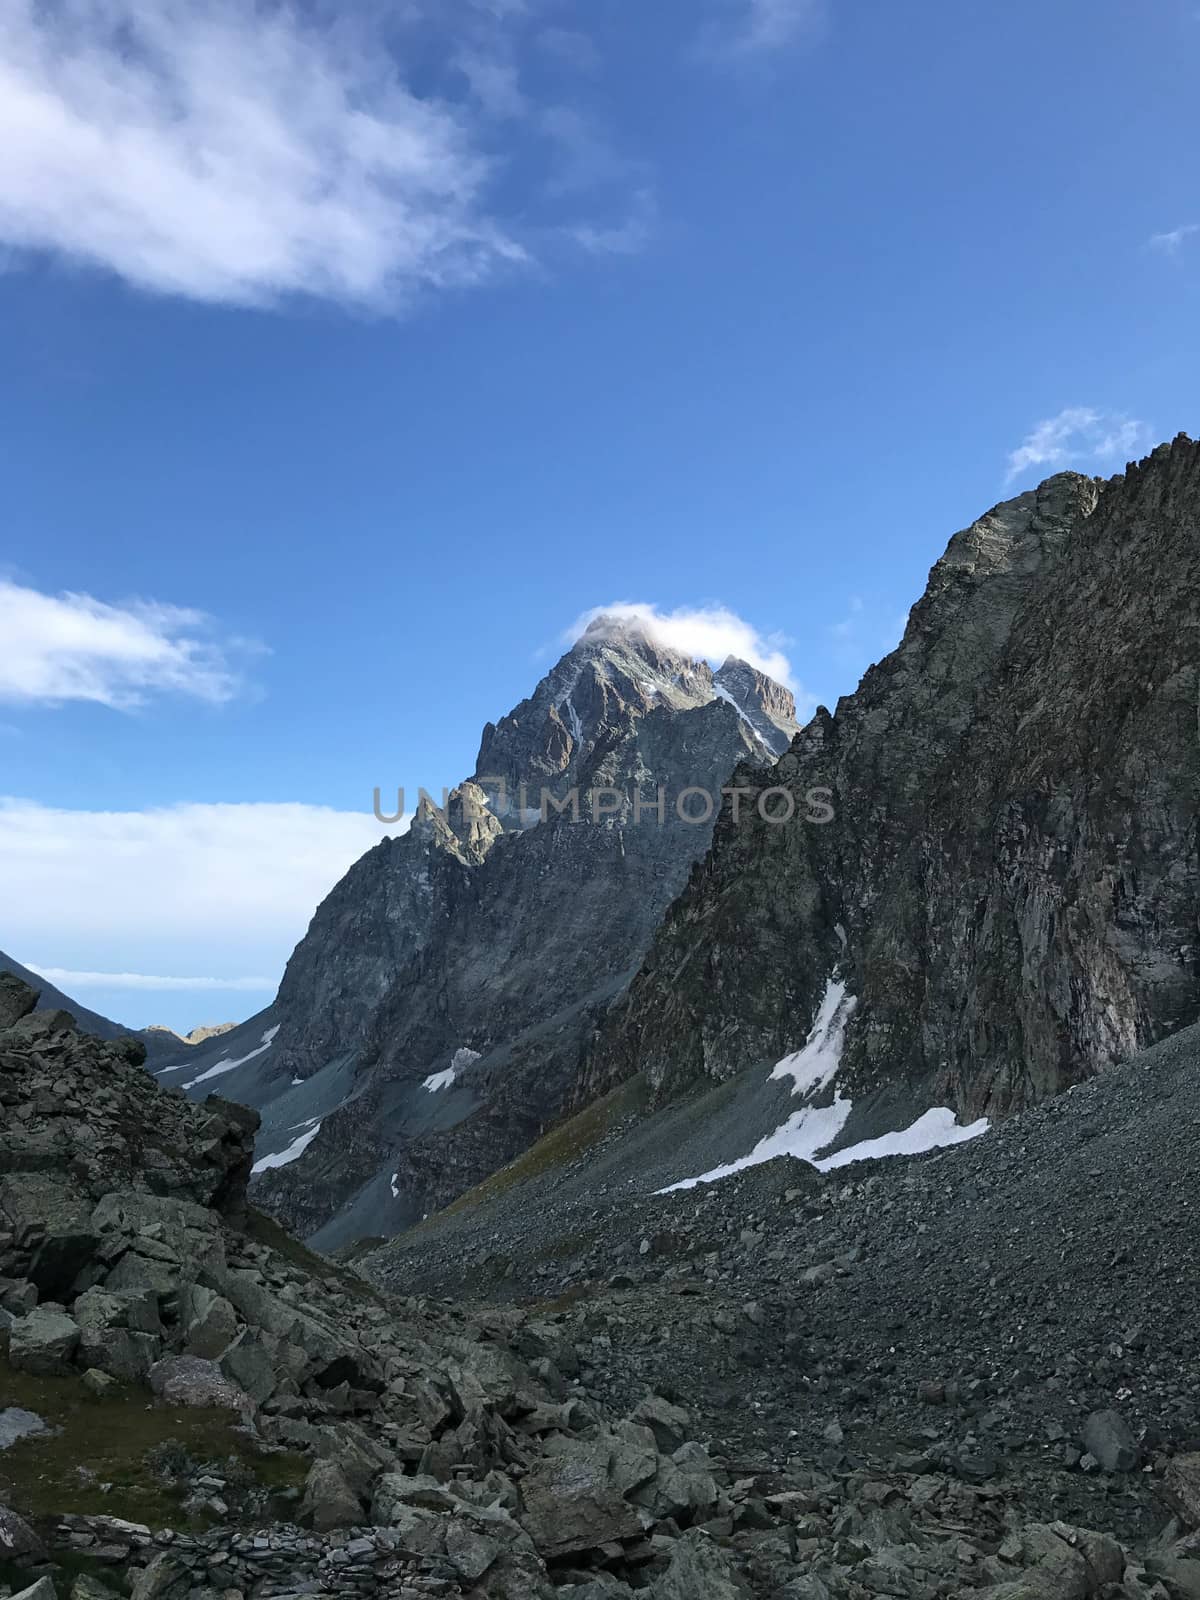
point(558, 1148)
point(40, 1478)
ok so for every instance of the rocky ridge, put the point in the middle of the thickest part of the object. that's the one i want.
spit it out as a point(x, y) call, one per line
point(1009, 886)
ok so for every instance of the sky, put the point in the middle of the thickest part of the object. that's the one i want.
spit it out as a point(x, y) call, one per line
point(351, 355)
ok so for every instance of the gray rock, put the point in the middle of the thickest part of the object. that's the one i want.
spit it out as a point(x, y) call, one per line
point(329, 1501)
point(1108, 1437)
point(16, 1423)
point(17, 999)
point(568, 1502)
point(18, 1542)
point(44, 1341)
point(190, 1381)
point(43, 1589)
point(699, 1570)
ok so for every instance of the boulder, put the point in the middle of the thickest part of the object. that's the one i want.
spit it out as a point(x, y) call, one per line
point(569, 1502)
point(329, 1501)
point(670, 1424)
point(43, 1342)
point(18, 1542)
point(43, 1589)
point(17, 999)
point(1108, 1437)
point(208, 1320)
point(1181, 1488)
point(699, 1570)
point(47, 1213)
point(17, 1423)
point(189, 1381)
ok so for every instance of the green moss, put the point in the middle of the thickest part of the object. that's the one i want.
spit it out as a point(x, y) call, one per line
point(110, 1439)
point(558, 1148)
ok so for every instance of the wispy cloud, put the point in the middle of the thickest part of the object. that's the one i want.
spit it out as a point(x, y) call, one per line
point(68, 979)
point(748, 28)
point(56, 648)
point(235, 154)
point(1172, 242)
point(190, 890)
point(708, 633)
point(1081, 434)
point(625, 238)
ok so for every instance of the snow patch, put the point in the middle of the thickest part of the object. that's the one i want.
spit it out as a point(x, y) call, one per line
point(293, 1152)
point(721, 693)
point(812, 1129)
point(933, 1130)
point(223, 1066)
point(815, 1065)
point(459, 1062)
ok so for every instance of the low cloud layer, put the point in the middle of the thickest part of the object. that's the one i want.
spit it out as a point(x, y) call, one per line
point(57, 648)
point(187, 889)
point(708, 633)
point(1079, 435)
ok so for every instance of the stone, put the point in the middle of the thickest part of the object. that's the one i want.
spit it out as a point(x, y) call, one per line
point(568, 1502)
point(190, 1381)
point(209, 1322)
point(43, 1589)
point(43, 1342)
point(329, 1501)
point(126, 1355)
point(670, 1424)
point(699, 1570)
point(17, 1423)
point(17, 999)
point(248, 1363)
point(165, 1577)
point(49, 1206)
point(99, 1384)
point(1181, 1488)
point(18, 1542)
point(1108, 1437)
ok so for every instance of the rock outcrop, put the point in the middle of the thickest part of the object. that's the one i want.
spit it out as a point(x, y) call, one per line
point(1009, 884)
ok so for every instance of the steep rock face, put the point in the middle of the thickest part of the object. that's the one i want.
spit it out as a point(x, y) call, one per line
point(435, 1016)
point(1009, 882)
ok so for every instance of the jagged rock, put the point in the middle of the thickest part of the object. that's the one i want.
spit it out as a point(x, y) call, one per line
point(17, 999)
point(49, 1211)
point(1108, 1437)
point(699, 1570)
point(165, 1577)
point(1181, 1488)
point(44, 1341)
point(18, 1542)
point(189, 1381)
point(329, 1501)
point(43, 1589)
point(99, 1384)
point(569, 1502)
point(670, 1424)
point(461, 895)
point(993, 781)
point(17, 1423)
point(85, 1587)
point(209, 1322)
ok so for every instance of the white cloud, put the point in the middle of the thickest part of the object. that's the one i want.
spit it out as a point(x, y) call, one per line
point(707, 633)
point(1171, 242)
point(69, 979)
point(234, 154)
point(1078, 433)
point(759, 27)
point(187, 889)
point(625, 238)
point(55, 648)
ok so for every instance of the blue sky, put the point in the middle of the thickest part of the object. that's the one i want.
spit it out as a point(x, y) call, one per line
point(346, 363)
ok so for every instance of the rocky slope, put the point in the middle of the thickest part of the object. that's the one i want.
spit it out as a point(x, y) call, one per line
point(1009, 887)
point(192, 1405)
point(433, 1019)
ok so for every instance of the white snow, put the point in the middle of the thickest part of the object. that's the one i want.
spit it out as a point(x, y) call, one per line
point(933, 1130)
point(283, 1157)
point(815, 1065)
point(721, 693)
point(573, 722)
point(224, 1066)
point(395, 1187)
point(812, 1129)
point(459, 1062)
